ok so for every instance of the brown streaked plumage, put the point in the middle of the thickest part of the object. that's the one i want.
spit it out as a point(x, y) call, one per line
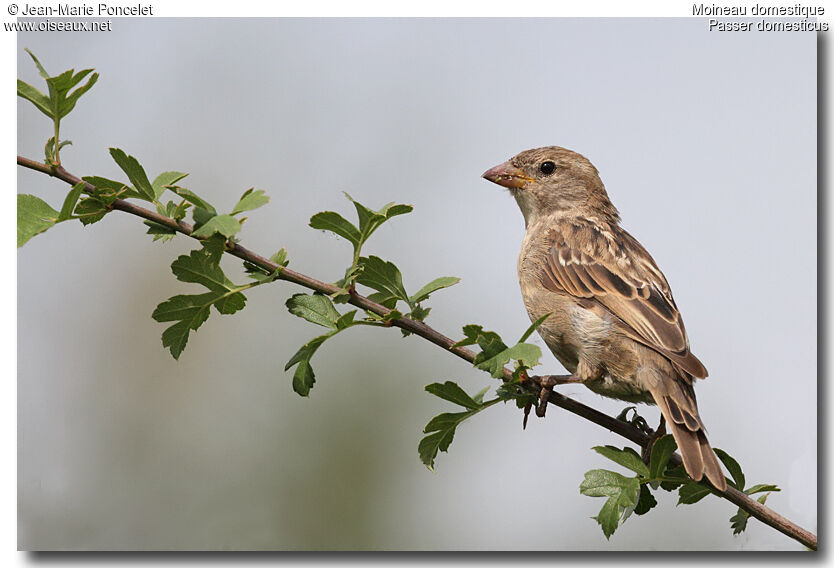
point(614, 323)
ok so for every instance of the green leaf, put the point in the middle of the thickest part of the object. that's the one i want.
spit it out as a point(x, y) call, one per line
point(533, 327)
point(201, 268)
point(225, 225)
point(732, 466)
point(213, 248)
point(230, 303)
point(392, 210)
point(691, 493)
point(34, 215)
point(383, 298)
point(178, 213)
point(441, 428)
point(346, 320)
point(135, 173)
point(622, 493)
point(609, 517)
point(164, 179)
point(605, 483)
point(195, 200)
point(315, 308)
point(525, 352)
point(760, 487)
point(189, 311)
point(49, 149)
point(108, 190)
point(160, 232)
point(68, 100)
point(250, 200)
point(512, 391)
point(646, 502)
point(70, 201)
point(453, 393)
point(304, 378)
point(676, 477)
point(433, 286)
point(255, 272)
point(382, 276)
point(626, 457)
point(419, 313)
point(472, 333)
point(335, 223)
point(661, 452)
point(370, 220)
point(60, 101)
point(280, 257)
point(90, 210)
point(479, 396)
point(738, 522)
point(201, 216)
point(41, 70)
point(184, 306)
point(34, 96)
point(441, 432)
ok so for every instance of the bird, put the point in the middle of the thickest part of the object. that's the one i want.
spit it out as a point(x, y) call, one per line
point(613, 322)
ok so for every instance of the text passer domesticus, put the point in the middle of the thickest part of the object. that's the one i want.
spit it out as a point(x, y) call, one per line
point(613, 322)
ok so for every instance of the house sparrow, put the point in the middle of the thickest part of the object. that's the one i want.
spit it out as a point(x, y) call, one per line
point(613, 323)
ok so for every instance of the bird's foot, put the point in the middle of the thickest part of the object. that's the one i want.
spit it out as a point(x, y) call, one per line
point(546, 383)
point(636, 420)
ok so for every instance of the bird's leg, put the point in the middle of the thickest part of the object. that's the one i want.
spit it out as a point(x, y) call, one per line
point(547, 382)
point(654, 437)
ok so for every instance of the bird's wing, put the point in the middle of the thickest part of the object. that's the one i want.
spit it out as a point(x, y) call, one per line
point(606, 264)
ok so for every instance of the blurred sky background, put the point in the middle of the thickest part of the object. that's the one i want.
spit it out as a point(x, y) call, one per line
point(706, 143)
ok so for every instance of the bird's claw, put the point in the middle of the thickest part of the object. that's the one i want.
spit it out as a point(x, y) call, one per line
point(547, 383)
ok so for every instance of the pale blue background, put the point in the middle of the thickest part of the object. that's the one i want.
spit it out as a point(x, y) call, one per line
point(705, 141)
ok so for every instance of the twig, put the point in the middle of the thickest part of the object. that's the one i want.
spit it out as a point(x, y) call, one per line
point(628, 431)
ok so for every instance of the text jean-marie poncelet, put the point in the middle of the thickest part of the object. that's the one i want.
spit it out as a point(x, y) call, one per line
point(87, 10)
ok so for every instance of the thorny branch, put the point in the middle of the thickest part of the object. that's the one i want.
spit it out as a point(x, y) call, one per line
point(624, 429)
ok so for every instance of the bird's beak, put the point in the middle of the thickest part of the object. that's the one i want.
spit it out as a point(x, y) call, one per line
point(507, 175)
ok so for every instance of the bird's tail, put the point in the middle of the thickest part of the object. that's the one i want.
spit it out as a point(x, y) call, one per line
point(676, 400)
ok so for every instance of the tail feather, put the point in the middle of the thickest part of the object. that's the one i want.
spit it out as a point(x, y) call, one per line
point(676, 401)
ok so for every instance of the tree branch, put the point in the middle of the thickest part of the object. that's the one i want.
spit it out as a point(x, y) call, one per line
point(624, 429)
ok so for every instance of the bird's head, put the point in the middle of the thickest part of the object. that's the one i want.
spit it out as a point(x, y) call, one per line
point(553, 179)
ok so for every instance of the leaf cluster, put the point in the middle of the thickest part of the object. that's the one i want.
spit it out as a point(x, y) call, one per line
point(91, 201)
point(63, 92)
point(627, 495)
point(317, 309)
point(492, 358)
point(495, 354)
point(441, 429)
point(377, 274)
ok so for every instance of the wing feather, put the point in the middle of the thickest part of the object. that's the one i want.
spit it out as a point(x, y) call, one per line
point(626, 281)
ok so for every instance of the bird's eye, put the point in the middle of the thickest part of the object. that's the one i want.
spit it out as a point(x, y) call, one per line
point(547, 167)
